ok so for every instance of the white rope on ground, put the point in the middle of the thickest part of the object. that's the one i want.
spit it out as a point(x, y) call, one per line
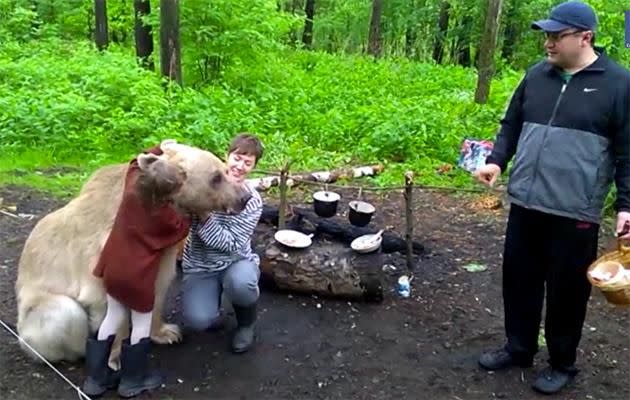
point(79, 391)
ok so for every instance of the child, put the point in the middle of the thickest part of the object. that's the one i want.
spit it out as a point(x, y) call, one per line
point(145, 225)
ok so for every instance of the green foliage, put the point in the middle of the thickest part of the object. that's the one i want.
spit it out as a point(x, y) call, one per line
point(18, 22)
point(244, 70)
point(321, 110)
point(71, 100)
point(218, 33)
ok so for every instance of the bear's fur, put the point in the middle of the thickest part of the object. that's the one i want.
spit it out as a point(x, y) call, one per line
point(60, 301)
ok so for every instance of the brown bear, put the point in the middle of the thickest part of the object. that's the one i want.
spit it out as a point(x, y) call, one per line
point(60, 300)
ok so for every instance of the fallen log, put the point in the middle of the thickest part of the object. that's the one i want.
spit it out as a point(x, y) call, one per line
point(263, 183)
point(327, 268)
point(305, 220)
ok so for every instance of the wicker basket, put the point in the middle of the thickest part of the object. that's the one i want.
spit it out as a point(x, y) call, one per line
point(617, 293)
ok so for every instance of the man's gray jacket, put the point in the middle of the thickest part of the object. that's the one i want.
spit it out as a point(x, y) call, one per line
point(569, 140)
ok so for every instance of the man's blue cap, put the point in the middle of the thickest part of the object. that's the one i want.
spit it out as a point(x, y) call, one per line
point(571, 14)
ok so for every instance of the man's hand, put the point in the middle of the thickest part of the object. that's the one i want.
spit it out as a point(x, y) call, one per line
point(488, 174)
point(623, 225)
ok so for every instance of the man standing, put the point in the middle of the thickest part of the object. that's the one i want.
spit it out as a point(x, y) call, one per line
point(568, 128)
point(218, 256)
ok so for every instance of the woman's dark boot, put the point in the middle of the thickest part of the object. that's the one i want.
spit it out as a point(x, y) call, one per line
point(245, 333)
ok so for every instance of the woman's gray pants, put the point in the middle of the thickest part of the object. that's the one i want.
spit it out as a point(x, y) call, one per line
point(202, 291)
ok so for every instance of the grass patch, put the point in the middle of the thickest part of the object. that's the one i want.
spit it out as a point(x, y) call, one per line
point(44, 171)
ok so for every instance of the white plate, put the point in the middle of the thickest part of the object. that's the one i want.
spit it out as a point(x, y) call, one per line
point(367, 243)
point(295, 239)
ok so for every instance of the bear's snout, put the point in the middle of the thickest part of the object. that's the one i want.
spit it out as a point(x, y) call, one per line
point(239, 205)
point(244, 199)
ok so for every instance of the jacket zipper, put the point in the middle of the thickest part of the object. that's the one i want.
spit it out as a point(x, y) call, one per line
point(542, 146)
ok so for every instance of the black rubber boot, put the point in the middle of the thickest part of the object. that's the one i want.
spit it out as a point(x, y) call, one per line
point(100, 377)
point(245, 332)
point(134, 365)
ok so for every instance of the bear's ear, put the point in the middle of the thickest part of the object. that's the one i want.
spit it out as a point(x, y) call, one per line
point(166, 143)
point(145, 160)
point(169, 147)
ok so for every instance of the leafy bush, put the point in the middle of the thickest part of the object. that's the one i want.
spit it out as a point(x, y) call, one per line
point(316, 108)
point(61, 101)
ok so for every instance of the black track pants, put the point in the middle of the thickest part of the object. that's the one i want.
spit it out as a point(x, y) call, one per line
point(546, 254)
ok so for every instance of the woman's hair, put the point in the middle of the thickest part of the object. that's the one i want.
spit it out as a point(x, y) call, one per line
point(247, 144)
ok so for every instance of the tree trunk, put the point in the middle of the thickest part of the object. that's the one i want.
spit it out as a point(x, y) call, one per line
point(101, 37)
point(511, 33)
point(374, 39)
point(410, 40)
point(307, 35)
point(438, 47)
point(410, 33)
point(486, 51)
point(461, 50)
point(293, 35)
point(143, 34)
point(170, 61)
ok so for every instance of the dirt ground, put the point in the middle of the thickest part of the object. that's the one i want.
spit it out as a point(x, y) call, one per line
point(422, 347)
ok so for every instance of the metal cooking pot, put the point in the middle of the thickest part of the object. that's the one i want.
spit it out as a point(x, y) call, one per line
point(360, 212)
point(325, 203)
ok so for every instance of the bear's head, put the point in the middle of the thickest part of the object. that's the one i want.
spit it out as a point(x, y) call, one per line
point(194, 179)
